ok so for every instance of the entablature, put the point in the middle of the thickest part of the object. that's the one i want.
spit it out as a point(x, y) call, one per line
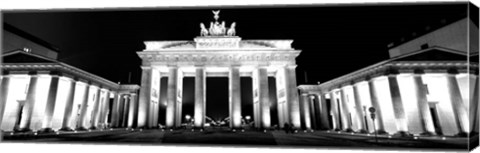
point(62, 70)
point(396, 67)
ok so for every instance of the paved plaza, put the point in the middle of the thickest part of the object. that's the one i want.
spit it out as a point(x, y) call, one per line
point(223, 136)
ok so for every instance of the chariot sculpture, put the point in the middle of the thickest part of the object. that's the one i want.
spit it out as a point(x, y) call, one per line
point(217, 29)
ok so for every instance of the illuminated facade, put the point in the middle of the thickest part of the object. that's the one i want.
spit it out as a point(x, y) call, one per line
point(39, 93)
point(431, 90)
point(218, 53)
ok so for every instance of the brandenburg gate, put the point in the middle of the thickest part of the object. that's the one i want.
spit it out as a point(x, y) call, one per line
point(218, 52)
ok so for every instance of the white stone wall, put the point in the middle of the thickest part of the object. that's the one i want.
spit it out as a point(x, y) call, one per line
point(385, 103)
point(406, 85)
point(17, 89)
point(438, 93)
point(60, 103)
point(78, 99)
point(453, 36)
point(366, 101)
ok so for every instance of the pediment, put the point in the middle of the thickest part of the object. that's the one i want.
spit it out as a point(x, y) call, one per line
point(434, 54)
point(24, 57)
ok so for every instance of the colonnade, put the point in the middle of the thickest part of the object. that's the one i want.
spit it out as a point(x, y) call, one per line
point(288, 108)
point(70, 104)
point(403, 103)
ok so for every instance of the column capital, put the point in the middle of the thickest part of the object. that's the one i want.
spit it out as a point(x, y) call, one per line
point(418, 71)
point(74, 79)
point(5, 72)
point(172, 66)
point(260, 66)
point(146, 67)
point(55, 76)
point(452, 71)
point(199, 66)
point(304, 93)
point(33, 73)
point(237, 66)
point(291, 66)
point(104, 89)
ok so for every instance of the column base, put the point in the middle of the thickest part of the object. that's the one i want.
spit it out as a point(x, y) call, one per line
point(92, 128)
point(324, 129)
point(348, 130)
point(402, 134)
point(66, 129)
point(473, 133)
point(144, 128)
point(23, 130)
point(461, 134)
point(198, 128)
point(427, 134)
point(46, 130)
point(380, 132)
point(154, 127)
point(362, 131)
point(81, 129)
point(337, 129)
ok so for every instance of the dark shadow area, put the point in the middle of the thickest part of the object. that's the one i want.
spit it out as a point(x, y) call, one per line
point(163, 100)
point(188, 100)
point(247, 96)
point(217, 98)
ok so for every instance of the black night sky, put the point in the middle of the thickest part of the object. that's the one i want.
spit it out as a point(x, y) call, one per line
point(334, 39)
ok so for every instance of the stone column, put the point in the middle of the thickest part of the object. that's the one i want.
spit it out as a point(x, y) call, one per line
point(374, 98)
point(359, 110)
point(264, 101)
point(473, 115)
point(131, 110)
point(171, 97)
point(96, 109)
point(69, 106)
point(126, 110)
point(121, 109)
point(51, 99)
point(459, 108)
point(256, 103)
point(235, 97)
point(104, 109)
point(334, 109)
point(398, 110)
point(144, 98)
point(305, 111)
point(313, 111)
point(134, 99)
point(101, 109)
point(30, 103)
point(83, 110)
point(108, 111)
point(200, 104)
point(422, 104)
point(3, 95)
point(292, 98)
point(345, 111)
point(178, 106)
point(155, 105)
point(281, 85)
point(115, 110)
point(324, 113)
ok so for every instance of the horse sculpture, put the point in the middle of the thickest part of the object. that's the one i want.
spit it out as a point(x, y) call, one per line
point(231, 31)
point(203, 30)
